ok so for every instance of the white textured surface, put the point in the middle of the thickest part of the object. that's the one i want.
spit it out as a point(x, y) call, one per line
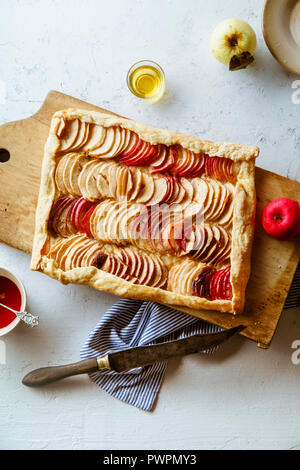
point(242, 397)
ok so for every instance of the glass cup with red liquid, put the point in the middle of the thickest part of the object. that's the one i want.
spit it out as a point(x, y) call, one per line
point(12, 294)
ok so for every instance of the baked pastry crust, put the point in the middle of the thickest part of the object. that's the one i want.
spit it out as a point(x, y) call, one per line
point(242, 228)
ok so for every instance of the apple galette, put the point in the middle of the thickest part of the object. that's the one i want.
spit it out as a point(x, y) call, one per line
point(145, 213)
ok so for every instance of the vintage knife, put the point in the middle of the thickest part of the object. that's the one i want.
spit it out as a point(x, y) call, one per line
point(130, 358)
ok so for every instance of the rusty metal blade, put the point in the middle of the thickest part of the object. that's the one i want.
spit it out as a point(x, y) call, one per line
point(146, 355)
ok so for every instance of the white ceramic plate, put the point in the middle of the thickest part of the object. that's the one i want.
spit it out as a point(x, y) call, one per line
point(281, 28)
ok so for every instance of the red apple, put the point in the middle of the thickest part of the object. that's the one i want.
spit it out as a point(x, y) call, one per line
point(281, 218)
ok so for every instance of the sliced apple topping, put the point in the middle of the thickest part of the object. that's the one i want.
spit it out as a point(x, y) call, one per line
point(181, 276)
point(107, 146)
point(220, 285)
point(59, 180)
point(95, 139)
point(68, 135)
point(128, 263)
point(146, 191)
point(78, 162)
point(135, 267)
point(111, 219)
point(190, 278)
point(124, 201)
point(166, 158)
point(220, 167)
point(67, 216)
point(114, 141)
point(201, 283)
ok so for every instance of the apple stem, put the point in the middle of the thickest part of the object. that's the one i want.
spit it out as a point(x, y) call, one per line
point(240, 61)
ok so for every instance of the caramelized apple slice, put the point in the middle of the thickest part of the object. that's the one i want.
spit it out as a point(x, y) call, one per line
point(200, 284)
point(79, 209)
point(168, 162)
point(84, 176)
point(56, 222)
point(125, 221)
point(66, 171)
point(224, 247)
point(225, 219)
point(112, 175)
point(77, 247)
point(103, 223)
point(183, 161)
point(63, 258)
point(85, 245)
point(135, 263)
point(75, 169)
point(161, 159)
point(127, 141)
point(215, 188)
point(146, 190)
point(90, 253)
point(137, 183)
point(215, 245)
point(63, 250)
point(199, 167)
point(99, 260)
point(125, 183)
point(195, 241)
point(161, 273)
point(201, 190)
point(69, 134)
point(224, 195)
point(111, 152)
point(217, 284)
point(103, 178)
point(200, 253)
point(189, 194)
point(60, 127)
point(97, 217)
point(95, 139)
point(82, 136)
point(132, 262)
point(189, 278)
point(147, 268)
point(59, 180)
point(181, 280)
point(106, 145)
point(55, 248)
point(133, 145)
point(161, 191)
point(137, 157)
point(91, 182)
point(172, 276)
point(114, 221)
point(61, 223)
point(224, 257)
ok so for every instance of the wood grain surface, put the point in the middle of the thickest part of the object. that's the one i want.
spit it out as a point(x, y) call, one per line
point(273, 262)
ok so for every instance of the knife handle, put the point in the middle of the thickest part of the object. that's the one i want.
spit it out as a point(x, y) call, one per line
point(47, 375)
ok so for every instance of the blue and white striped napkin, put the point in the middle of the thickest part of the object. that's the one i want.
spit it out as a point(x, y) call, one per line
point(131, 323)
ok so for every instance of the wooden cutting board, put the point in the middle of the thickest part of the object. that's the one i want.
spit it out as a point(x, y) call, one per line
point(273, 263)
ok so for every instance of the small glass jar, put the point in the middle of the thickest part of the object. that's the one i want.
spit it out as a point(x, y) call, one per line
point(146, 80)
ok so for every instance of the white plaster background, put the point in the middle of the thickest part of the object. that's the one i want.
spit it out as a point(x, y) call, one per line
point(240, 398)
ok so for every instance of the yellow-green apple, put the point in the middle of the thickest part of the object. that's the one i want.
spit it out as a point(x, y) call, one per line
point(233, 42)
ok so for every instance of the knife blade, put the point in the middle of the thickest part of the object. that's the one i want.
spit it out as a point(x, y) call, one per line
point(132, 358)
